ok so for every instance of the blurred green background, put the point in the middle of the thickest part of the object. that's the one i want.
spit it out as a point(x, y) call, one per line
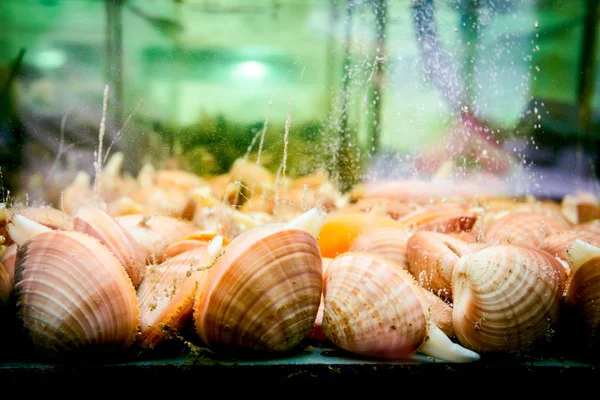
point(192, 82)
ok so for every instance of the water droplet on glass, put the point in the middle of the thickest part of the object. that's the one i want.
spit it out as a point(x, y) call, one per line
point(536, 25)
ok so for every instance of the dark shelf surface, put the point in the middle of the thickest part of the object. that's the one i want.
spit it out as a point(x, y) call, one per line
point(310, 365)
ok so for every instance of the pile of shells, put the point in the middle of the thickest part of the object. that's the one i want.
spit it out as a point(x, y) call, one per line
point(252, 261)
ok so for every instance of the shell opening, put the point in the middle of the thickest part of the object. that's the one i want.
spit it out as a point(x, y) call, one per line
point(580, 253)
point(82, 179)
point(438, 345)
point(113, 167)
point(568, 208)
point(214, 249)
point(22, 229)
point(311, 221)
point(144, 177)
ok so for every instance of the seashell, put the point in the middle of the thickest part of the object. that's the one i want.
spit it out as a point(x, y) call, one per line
point(252, 175)
point(98, 224)
point(4, 216)
point(263, 292)
point(212, 215)
point(167, 201)
point(47, 216)
point(179, 179)
point(316, 331)
point(549, 209)
point(312, 181)
point(125, 206)
point(197, 240)
point(506, 298)
point(22, 229)
point(558, 244)
point(431, 257)
point(580, 208)
point(418, 191)
point(444, 218)
point(8, 256)
point(467, 237)
point(5, 286)
point(583, 289)
point(72, 293)
point(439, 311)
point(524, 228)
point(155, 233)
point(592, 226)
point(342, 228)
point(166, 296)
point(111, 185)
point(388, 207)
point(78, 193)
point(375, 310)
point(388, 242)
point(219, 188)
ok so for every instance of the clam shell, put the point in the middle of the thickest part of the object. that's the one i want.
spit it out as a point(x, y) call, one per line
point(47, 216)
point(117, 239)
point(506, 298)
point(4, 215)
point(7, 273)
point(164, 201)
point(179, 179)
point(593, 226)
point(182, 246)
point(252, 175)
point(8, 260)
point(156, 232)
point(525, 228)
point(263, 292)
point(549, 209)
point(72, 293)
point(5, 286)
point(317, 330)
point(580, 208)
point(445, 218)
point(313, 181)
point(440, 312)
point(78, 193)
point(197, 240)
point(166, 296)
point(583, 290)
point(418, 191)
point(342, 228)
point(372, 309)
point(559, 243)
point(431, 257)
point(391, 208)
point(388, 242)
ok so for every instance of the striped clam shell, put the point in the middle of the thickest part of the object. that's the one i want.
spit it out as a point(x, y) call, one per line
point(506, 298)
point(72, 293)
point(263, 292)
